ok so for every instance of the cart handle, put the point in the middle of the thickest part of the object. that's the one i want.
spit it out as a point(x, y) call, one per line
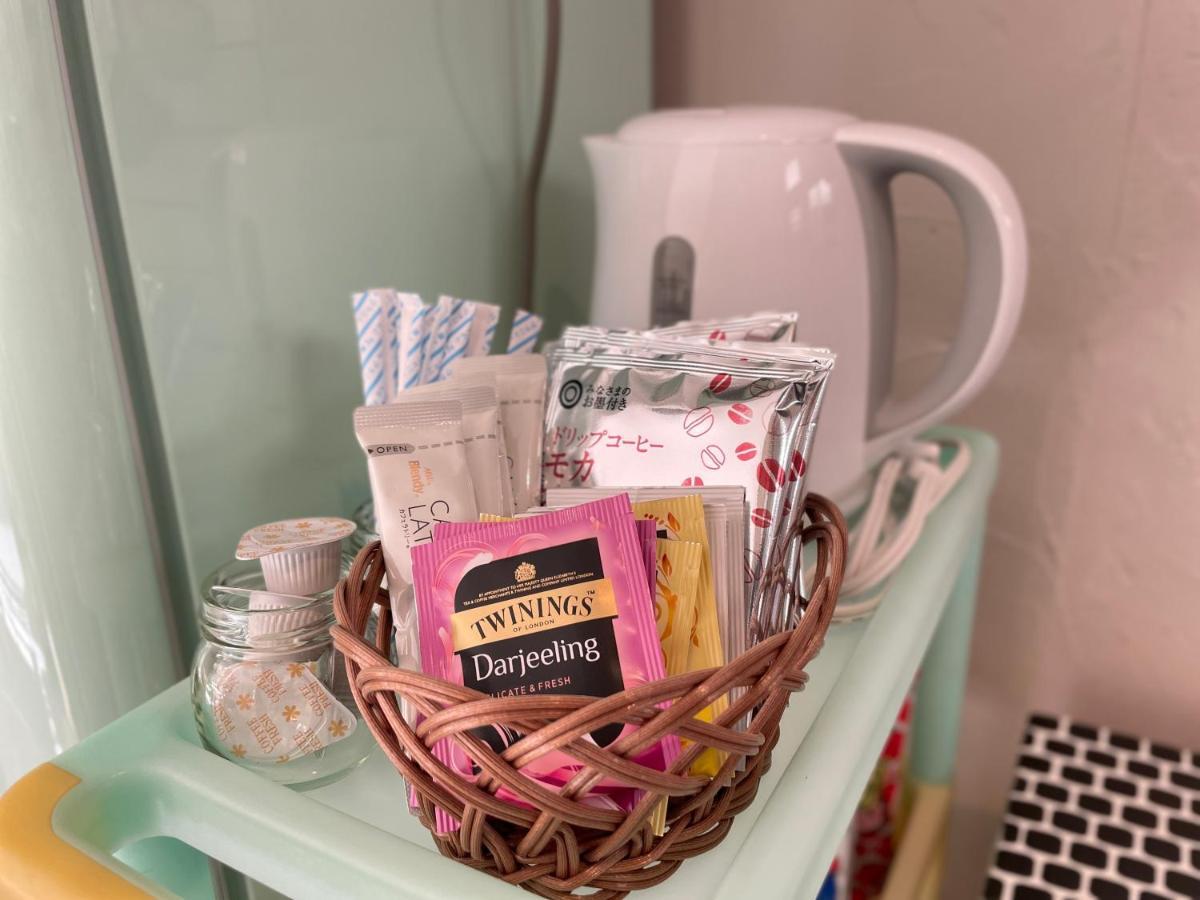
point(35, 862)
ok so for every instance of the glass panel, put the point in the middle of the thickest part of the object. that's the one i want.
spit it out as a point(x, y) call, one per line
point(270, 158)
point(83, 636)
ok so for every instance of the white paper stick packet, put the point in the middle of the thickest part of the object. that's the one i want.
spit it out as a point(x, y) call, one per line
point(521, 383)
point(417, 463)
point(458, 336)
point(413, 337)
point(481, 432)
point(391, 362)
point(435, 335)
point(446, 311)
point(483, 329)
point(526, 328)
point(371, 326)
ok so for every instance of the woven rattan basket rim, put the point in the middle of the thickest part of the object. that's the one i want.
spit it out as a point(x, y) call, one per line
point(555, 843)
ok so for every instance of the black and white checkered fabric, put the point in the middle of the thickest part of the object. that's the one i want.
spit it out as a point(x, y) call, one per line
point(1096, 813)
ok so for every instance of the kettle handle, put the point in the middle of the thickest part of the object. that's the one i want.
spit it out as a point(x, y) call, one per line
point(997, 262)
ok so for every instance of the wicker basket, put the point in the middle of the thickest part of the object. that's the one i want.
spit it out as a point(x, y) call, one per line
point(556, 845)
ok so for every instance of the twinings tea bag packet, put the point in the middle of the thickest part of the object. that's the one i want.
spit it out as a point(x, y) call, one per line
point(557, 603)
point(647, 535)
point(673, 573)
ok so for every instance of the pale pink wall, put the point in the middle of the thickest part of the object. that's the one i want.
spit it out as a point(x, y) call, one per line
point(1090, 601)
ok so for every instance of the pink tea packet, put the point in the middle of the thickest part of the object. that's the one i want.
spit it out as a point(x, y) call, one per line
point(558, 603)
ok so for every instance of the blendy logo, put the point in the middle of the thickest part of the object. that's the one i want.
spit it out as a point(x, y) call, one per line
point(389, 449)
point(570, 394)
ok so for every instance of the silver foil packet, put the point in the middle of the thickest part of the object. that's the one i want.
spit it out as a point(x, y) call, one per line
point(664, 413)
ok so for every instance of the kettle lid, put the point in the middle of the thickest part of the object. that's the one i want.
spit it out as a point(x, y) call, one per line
point(734, 125)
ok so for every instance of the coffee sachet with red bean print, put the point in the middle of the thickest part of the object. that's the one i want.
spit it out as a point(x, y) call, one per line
point(665, 412)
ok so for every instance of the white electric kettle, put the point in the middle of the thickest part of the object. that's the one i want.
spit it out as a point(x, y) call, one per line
point(704, 213)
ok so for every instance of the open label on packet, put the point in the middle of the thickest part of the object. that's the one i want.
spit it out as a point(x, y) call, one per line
point(692, 415)
point(274, 712)
point(558, 603)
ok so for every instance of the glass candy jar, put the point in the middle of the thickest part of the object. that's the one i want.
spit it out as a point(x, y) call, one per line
point(268, 689)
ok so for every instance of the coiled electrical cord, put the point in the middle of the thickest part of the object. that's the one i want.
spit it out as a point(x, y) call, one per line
point(881, 538)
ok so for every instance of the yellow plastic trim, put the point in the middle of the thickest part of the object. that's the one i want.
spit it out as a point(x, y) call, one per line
point(34, 861)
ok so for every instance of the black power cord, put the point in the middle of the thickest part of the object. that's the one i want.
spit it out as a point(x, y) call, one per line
point(537, 159)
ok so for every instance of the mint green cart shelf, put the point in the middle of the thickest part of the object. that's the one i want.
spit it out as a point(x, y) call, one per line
point(139, 808)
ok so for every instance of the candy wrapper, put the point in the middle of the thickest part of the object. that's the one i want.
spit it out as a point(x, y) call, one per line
point(558, 603)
